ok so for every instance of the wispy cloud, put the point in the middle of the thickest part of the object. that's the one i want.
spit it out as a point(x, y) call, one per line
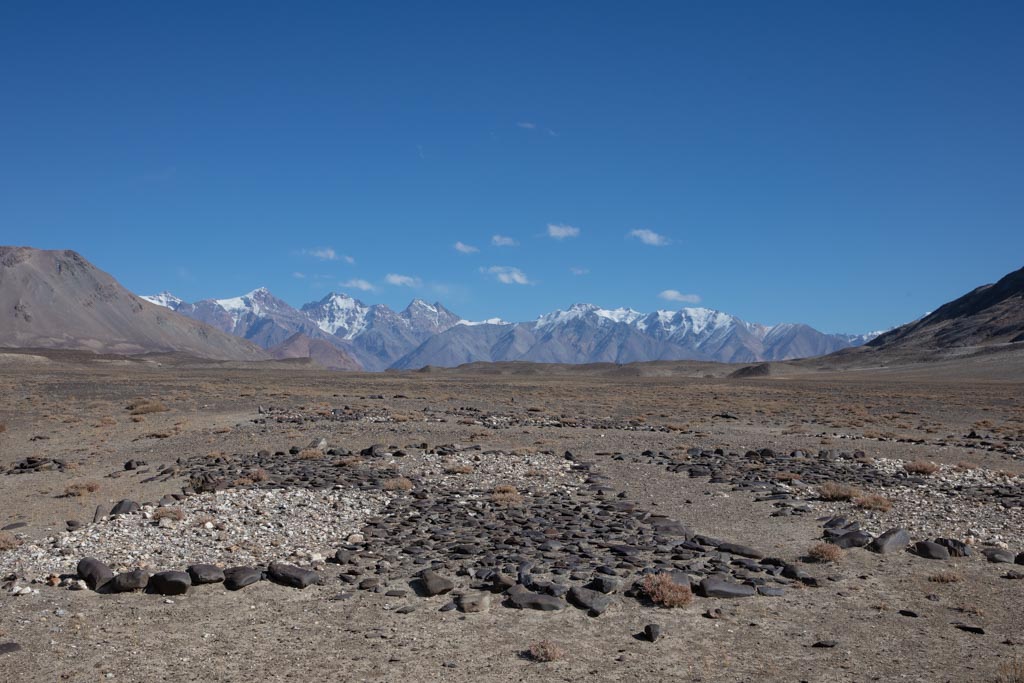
point(649, 237)
point(464, 248)
point(503, 241)
point(358, 284)
point(677, 296)
point(508, 275)
point(402, 280)
point(561, 232)
point(299, 276)
point(349, 260)
point(579, 271)
point(322, 253)
point(527, 125)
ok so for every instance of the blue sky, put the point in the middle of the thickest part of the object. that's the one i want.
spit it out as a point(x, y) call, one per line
point(848, 165)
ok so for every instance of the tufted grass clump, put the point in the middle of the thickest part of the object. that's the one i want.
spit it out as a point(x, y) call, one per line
point(664, 591)
point(831, 490)
point(922, 467)
point(545, 651)
point(825, 552)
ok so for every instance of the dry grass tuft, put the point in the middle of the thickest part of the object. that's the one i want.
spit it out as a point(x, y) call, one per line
point(924, 467)
point(177, 514)
point(348, 461)
point(506, 495)
point(456, 468)
point(259, 474)
point(825, 552)
point(311, 454)
point(3, 427)
point(831, 490)
point(397, 484)
point(8, 541)
point(1011, 671)
point(873, 502)
point(946, 577)
point(786, 476)
point(664, 591)
point(145, 407)
point(545, 651)
point(81, 488)
point(966, 466)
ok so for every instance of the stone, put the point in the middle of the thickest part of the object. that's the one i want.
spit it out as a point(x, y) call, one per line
point(292, 576)
point(956, 548)
point(595, 602)
point(998, 555)
point(605, 584)
point(977, 630)
point(714, 587)
point(205, 573)
point(240, 577)
point(94, 572)
point(652, 632)
point(1019, 559)
point(474, 602)
point(524, 598)
point(826, 643)
point(435, 584)
point(931, 551)
point(852, 539)
point(9, 648)
point(125, 507)
point(741, 550)
point(771, 591)
point(169, 583)
point(892, 541)
point(127, 582)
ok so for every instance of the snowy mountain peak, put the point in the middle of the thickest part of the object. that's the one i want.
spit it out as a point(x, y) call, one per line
point(165, 299)
point(579, 311)
point(338, 314)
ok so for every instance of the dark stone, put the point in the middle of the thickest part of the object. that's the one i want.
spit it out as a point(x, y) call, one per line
point(605, 584)
point(956, 548)
point(126, 582)
point(240, 577)
point(852, 539)
point(205, 573)
point(826, 643)
point(998, 555)
point(892, 541)
point(292, 576)
point(714, 587)
point(970, 629)
point(594, 602)
point(125, 507)
point(169, 583)
point(931, 551)
point(435, 584)
point(1019, 559)
point(9, 648)
point(652, 632)
point(523, 598)
point(908, 613)
point(94, 572)
point(741, 550)
point(771, 591)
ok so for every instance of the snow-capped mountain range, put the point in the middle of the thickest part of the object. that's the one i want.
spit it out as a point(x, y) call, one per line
point(376, 337)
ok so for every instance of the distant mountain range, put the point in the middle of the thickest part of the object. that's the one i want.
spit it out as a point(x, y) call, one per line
point(423, 334)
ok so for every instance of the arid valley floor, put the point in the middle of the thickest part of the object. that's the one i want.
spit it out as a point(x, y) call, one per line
point(470, 476)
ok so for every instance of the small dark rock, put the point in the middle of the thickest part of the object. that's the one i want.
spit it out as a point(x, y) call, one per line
point(240, 577)
point(652, 632)
point(205, 573)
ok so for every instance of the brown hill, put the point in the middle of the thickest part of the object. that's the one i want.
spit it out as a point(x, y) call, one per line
point(58, 300)
point(321, 352)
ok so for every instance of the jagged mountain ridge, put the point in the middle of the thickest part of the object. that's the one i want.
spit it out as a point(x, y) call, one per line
point(429, 334)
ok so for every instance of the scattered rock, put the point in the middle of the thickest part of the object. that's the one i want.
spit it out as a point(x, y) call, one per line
point(292, 576)
point(169, 583)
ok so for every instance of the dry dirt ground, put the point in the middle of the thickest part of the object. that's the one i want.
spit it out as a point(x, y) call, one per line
point(75, 411)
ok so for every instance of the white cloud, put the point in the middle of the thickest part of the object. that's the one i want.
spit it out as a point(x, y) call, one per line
point(560, 232)
point(402, 280)
point(508, 275)
point(527, 125)
point(465, 248)
point(349, 260)
point(322, 253)
point(649, 237)
point(299, 276)
point(676, 295)
point(359, 284)
point(503, 241)
point(579, 271)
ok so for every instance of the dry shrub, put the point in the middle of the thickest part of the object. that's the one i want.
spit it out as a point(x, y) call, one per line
point(8, 541)
point(456, 468)
point(202, 520)
point(259, 474)
point(311, 454)
point(145, 407)
point(945, 577)
point(506, 495)
point(348, 461)
point(177, 514)
point(3, 427)
point(545, 651)
point(242, 481)
point(825, 552)
point(397, 484)
point(966, 466)
point(81, 488)
point(1011, 671)
point(786, 476)
point(534, 472)
point(873, 502)
point(664, 591)
point(831, 490)
point(138, 418)
point(921, 467)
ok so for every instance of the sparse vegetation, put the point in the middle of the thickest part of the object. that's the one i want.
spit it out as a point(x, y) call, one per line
point(945, 576)
point(834, 491)
point(79, 489)
point(923, 467)
point(259, 474)
point(456, 468)
point(172, 513)
point(966, 466)
point(664, 591)
point(545, 651)
point(8, 541)
point(873, 502)
point(311, 454)
point(1011, 671)
point(825, 552)
point(397, 484)
point(506, 495)
point(145, 407)
point(3, 427)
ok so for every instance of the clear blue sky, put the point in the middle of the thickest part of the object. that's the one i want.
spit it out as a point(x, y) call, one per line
point(849, 165)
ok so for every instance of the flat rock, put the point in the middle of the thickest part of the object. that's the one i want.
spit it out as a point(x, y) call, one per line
point(852, 539)
point(94, 572)
point(713, 587)
point(524, 598)
point(9, 648)
point(292, 576)
point(435, 584)
point(125, 507)
point(240, 577)
point(205, 573)
point(998, 555)
point(595, 602)
point(892, 541)
point(127, 582)
point(475, 602)
point(931, 550)
point(169, 583)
